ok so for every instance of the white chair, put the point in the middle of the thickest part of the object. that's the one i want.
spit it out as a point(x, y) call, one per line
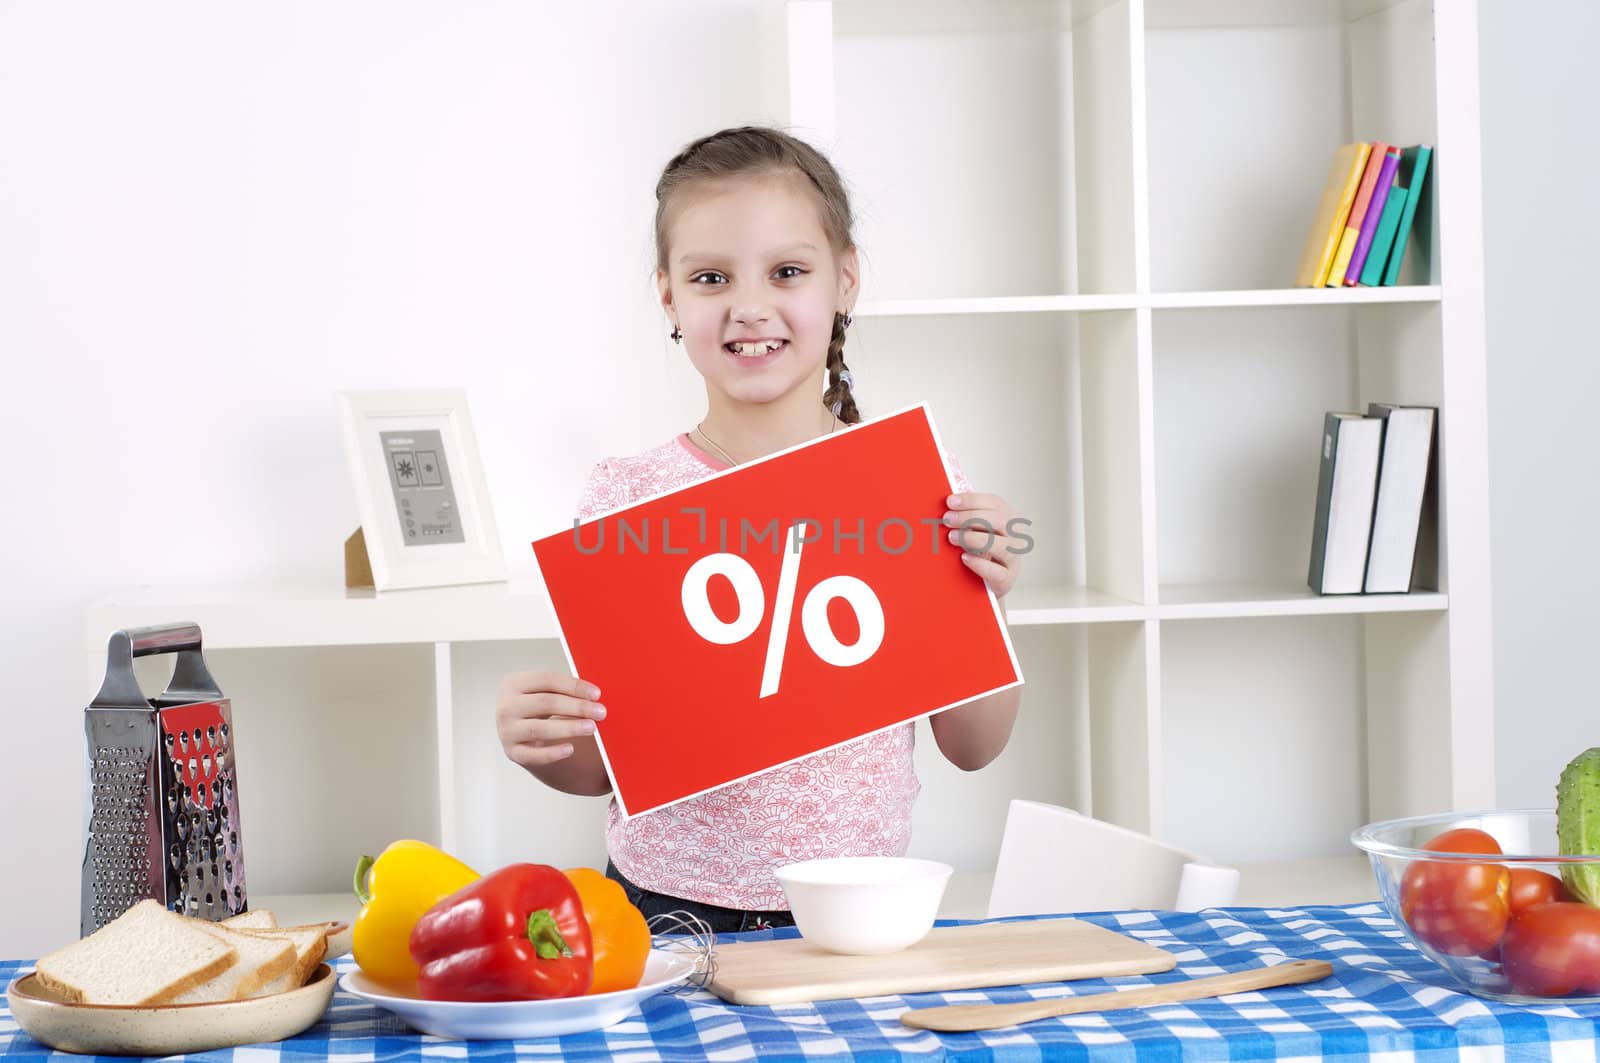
point(1054, 860)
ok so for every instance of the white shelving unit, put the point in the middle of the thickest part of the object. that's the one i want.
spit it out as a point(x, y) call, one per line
point(1077, 219)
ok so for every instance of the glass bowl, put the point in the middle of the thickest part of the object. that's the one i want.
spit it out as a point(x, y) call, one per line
point(1507, 925)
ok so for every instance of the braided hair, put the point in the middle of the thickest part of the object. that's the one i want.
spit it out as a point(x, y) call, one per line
point(749, 151)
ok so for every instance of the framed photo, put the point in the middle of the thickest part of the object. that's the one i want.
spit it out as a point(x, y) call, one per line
point(419, 487)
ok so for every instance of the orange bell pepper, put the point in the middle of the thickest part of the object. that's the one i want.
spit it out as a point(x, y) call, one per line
point(618, 932)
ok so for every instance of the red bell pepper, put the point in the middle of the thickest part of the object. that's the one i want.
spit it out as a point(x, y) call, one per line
point(518, 934)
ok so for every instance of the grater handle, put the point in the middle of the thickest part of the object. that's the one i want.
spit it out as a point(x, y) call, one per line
point(191, 680)
point(162, 638)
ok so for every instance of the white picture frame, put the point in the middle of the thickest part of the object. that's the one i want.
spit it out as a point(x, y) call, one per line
point(427, 520)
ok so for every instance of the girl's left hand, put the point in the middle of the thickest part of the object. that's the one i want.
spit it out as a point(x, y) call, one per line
point(979, 524)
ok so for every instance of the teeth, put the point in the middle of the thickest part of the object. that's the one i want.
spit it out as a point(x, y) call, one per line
point(755, 350)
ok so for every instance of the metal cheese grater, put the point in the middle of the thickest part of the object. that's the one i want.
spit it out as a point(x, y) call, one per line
point(163, 808)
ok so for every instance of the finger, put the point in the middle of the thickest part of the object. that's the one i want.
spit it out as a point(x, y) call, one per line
point(550, 730)
point(531, 756)
point(993, 572)
point(970, 500)
point(526, 706)
point(1003, 548)
point(983, 520)
point(551, 682)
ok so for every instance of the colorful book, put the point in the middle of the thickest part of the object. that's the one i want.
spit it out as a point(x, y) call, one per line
point(1412, 174)
point(1369, 225)
point(1358, 214)
point(1383, 240)
point(1338, 193)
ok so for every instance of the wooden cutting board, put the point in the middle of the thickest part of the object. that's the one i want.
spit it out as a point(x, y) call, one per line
point(950, 957)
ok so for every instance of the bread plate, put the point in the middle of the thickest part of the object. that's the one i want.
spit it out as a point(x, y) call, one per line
point(473, 1020)
point(171, 1029)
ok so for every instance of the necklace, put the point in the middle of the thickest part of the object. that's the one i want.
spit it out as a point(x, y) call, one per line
point(725, 456)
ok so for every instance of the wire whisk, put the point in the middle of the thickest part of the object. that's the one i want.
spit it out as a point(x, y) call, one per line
point(689, 935)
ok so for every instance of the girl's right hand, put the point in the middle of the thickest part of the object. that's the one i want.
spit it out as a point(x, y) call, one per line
point(544, 717)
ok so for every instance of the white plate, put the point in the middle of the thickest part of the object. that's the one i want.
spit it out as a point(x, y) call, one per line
point(473, 1020)
point(168, 1029)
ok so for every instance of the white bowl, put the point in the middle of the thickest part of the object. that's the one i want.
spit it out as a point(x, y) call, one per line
point(470, 1020)
point(864, 905)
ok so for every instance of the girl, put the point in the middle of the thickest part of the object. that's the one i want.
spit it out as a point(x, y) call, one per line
point(757, 272)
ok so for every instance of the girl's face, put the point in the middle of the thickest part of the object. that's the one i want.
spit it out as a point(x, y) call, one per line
point(753, 283)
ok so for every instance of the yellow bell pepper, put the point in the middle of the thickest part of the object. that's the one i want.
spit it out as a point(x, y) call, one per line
point(407, 879)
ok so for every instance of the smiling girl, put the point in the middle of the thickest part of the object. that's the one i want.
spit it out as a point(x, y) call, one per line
point(758, 273)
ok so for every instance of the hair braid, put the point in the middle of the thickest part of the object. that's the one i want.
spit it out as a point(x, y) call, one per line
point(839, 397)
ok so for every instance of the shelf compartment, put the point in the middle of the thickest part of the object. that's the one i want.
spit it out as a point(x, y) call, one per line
point(320, 732)
point(1236, 474)
point(1426, 749)
point(1125, 726)
point(1263, 739)
point(1036, 98)
point(979, 375)
point(1246, 108)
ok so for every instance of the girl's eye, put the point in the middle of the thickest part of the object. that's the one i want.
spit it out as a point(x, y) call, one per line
point(710, 276)
point(789, 272)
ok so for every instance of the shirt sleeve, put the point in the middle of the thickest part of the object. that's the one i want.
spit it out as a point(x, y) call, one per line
point(605, 490)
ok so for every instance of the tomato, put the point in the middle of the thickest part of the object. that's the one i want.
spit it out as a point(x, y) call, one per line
point(1458, 908)
point(1530, 887)
point(1553, 950)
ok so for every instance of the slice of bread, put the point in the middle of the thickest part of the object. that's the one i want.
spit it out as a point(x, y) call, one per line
point(261, 961)
point(341, 938)
point(310, 944)
point(147, 955)
point(254, 919)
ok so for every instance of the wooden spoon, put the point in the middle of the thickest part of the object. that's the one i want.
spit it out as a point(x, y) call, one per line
point(993, 1016)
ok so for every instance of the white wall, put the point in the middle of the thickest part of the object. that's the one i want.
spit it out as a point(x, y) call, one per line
point(1541, 230)
point(211, 217)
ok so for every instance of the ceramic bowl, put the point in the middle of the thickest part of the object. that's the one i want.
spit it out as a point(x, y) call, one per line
point(507, 1019)
point(170, 1029)
point(864, 905)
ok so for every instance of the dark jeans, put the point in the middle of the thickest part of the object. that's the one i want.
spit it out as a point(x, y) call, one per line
point(722, 920)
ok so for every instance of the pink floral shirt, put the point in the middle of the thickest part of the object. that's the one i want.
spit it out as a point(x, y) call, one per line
point(722, 847)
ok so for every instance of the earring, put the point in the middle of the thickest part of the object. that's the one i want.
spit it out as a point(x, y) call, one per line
point(676, 334)
point(847, 320)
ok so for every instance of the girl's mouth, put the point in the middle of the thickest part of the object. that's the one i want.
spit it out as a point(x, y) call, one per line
point(755, 350)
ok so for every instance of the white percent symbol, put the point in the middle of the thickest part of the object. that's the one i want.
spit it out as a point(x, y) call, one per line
point(813, 613)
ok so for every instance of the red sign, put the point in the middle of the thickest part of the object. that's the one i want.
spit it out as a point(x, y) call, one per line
point(774, 610)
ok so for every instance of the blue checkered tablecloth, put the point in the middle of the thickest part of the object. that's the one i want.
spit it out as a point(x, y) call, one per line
point(1384, 1002)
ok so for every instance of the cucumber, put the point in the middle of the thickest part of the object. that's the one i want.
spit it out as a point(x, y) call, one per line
point(1578, 823)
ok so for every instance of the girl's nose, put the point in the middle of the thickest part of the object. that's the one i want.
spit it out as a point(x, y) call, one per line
point(751, 314)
